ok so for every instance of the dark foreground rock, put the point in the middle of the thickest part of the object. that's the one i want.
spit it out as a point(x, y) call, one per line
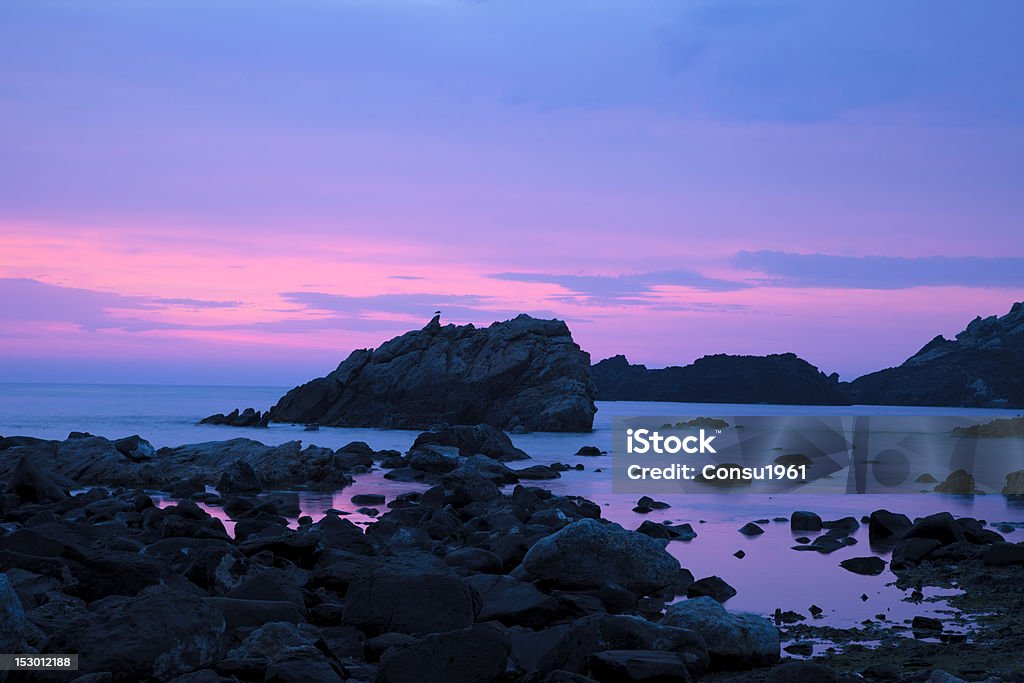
point(735, 640)
point(520, 374)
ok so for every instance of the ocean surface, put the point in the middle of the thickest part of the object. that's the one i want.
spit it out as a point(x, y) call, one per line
point(771, 575)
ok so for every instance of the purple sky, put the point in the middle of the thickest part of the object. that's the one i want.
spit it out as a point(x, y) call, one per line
point(240, 192)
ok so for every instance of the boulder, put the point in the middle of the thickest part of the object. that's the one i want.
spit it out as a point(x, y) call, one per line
point(302, 664)
point(941, 527)
point(735, 640)
point(523, 373)
point(472, 655)
point(1003, 553)
point(571, 648)
point(135, 448)
point(959, 481)
point(386, 600)
point(589, 554)
point(512, 602)
point(1014, 484)
point(867, 566)
point(883, 524)
point(160, 633)
point(801, 520)
point(481, 439)
point(239, 477)
point(638, 665)
point(711, 586)
point(910, 551)
point(12, 619)
point(33, 484)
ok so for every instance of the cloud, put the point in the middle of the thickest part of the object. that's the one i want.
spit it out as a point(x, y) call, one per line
point(636, 289)
point(785, 269)
point(196, 303)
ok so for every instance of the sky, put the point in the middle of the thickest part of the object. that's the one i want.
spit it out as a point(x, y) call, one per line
point(243, 193)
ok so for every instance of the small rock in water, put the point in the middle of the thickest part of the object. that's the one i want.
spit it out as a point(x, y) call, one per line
point(863, 597)
point(787, 617)
point(589, 450)
point(368, 499)
point(920, 623)
point(711, 586)
point(801, 520)
point(866, 566)
point(369, 512)
point(647, 501)
point(751, 529)
point(815, 611)
point(801, 649)
point(740, 554)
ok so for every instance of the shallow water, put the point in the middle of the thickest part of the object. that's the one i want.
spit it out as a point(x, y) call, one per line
point(770, 576)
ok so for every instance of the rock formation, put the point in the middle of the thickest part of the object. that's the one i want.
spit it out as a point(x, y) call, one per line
point(781, 378)
point(982, 367)
point(523, 373)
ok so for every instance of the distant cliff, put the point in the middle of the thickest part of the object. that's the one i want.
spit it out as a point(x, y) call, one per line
point(524, 372)
point(982, 367)
point(781, 378)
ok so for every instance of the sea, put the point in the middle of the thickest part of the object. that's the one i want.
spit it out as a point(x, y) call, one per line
point(770, 575)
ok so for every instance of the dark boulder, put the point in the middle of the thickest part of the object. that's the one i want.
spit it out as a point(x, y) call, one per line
point(649, 666)
point(940, 527)
point(481, 439)
point(386, 600)
point(570, 649)
point(472, 655)
point(910, 551)
point(33, 484)
point(590, 554)
point(959, 481)
point(524, 373)
point(801, 520)
point(239, 477)
point(735, 640)
point(867, 566)
point(135, 448)
point(712, 587)
point(512, 602)
point(1003, 553)
point(883, 524)
point(159, 633)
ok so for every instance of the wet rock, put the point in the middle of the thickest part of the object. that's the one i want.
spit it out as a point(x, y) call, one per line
point(474, 560)
point(920, 623)
point(734, 639)
point(801, 649)
point(751, 529)
point(33, 484)
point(940, 527)
point(386, 600)
point(1014, 484)
point(239, 477)
point(572, 648)
point(637, 665)
point(589, 451)
point(470, 655)
point(161, 632)
point(246, 418)
point(12, 619)
point(842, 527)
point(1003, 553)
point(523, 372)
point(959, 481)
point(269, 639)
point(135, 448)
point(302, 665)
point(801, 672)
point(648, 502)
point(940, 676)
point(512, 602)
point(589, 554)
point(883, 524)
point(711, 586)
point(368, 499)
point(912, 550)
point(802, 520)
point(739, 554)
point(537, 472)
point(481, 439)
point(867, 566)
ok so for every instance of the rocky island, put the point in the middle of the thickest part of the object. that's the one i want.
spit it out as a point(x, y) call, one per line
point(525, 374)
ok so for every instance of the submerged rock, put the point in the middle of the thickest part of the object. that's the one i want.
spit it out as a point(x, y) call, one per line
point(867, 566)
point(522, 373)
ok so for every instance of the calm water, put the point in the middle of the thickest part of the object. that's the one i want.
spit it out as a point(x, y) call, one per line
point(771, 575)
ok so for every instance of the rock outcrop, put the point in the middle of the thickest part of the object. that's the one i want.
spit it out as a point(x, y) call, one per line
point(982, 367)
point(781, 379)
point(522, 373)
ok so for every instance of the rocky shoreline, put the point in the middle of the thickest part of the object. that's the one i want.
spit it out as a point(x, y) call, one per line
point(475, 577)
